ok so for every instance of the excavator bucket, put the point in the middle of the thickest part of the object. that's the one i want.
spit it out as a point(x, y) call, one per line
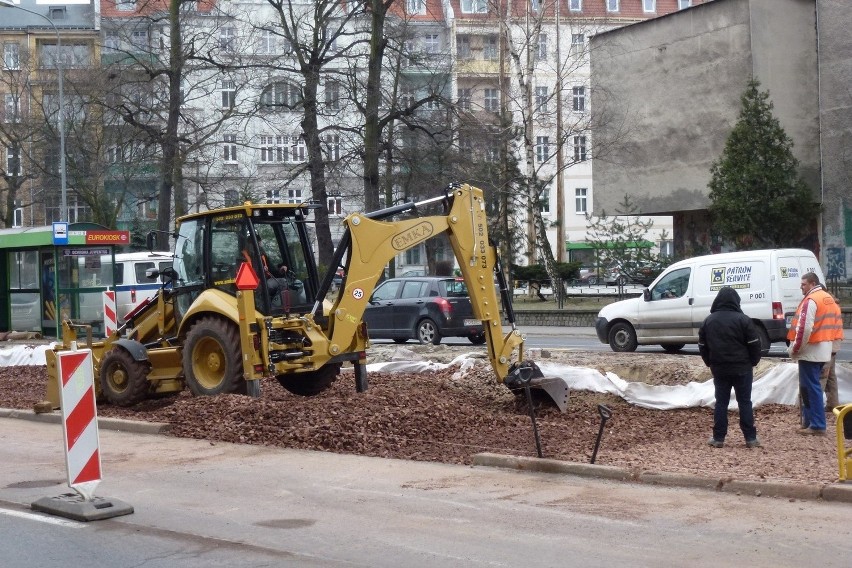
point(528, 375)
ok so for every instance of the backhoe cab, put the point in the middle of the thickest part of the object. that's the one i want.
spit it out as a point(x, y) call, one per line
point(244, 301)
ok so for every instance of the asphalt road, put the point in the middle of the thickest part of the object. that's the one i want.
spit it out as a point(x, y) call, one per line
point(203, 504)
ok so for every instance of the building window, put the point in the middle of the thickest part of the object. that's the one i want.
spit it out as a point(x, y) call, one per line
point(579, 148)
point(228, 39)
point(581, 194)
point(229, 148)
point(294, 195)
point(544, 200)
point(229, 94)
point(332, 95)
point(11, 109)
point(612, 5)
point(412, 255)
point(492, 100)
point(335, 205)
point(541, 99)
point(331, 143)
point(578, 99)
point(490, 47)
point(13, 162)
point(232, 197)
point(115, 154)
point(432, 43)
point(415, 6)
point(666, 248)
point(578, 43)
point(112, 42)
point(542, 148)
point(463, 46)
point(273, 149)
point(541, 48)
point(11, 55)
point(282, 95)
point(492, 151)
point(474, 6)
point(575, 5)
point(298, 149)
point(681, 4)
point(465, 96)
point(139, 39)
point(649, 5)
point(18, 214)
point(125, 5)
point(267, 42)
point(273, 196)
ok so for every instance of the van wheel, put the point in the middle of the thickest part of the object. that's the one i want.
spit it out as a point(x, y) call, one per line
point(212, 359)
point(765, 344)
point(672, 347)
point(124, 380)
point(622, 338)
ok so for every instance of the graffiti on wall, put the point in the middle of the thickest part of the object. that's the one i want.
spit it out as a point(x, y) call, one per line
point(835, 263)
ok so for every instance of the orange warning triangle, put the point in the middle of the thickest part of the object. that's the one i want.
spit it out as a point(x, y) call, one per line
point(246, 277)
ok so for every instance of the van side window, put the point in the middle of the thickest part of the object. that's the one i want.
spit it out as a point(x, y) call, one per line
point(140, 268)
point(672, 285)
point(118, 273)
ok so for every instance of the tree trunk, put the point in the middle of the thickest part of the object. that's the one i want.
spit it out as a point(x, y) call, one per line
point(372, 131)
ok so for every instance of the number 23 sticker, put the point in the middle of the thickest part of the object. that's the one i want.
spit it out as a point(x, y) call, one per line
point(358, 293)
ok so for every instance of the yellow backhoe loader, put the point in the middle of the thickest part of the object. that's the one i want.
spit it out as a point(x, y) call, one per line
point(243, 301)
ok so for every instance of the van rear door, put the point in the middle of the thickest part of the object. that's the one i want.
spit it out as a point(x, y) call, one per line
point(792, 265)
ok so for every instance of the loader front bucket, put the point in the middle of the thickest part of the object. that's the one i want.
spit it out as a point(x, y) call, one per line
point(528, 374)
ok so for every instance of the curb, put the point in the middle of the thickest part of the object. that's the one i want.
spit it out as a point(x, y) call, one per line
point(840, 492)
point(118, 424)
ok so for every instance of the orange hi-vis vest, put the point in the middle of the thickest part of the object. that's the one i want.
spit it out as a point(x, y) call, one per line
point(828, 321)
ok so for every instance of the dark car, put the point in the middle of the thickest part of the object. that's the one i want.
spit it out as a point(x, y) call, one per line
point(425, 308)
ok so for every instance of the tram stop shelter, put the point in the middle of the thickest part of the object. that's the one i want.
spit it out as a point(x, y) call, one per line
point(55, 273)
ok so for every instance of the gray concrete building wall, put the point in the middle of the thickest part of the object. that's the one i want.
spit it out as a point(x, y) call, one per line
point(835, 97)
point(670, 89)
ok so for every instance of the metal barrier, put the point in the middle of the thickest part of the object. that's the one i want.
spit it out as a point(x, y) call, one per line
point(844, 432)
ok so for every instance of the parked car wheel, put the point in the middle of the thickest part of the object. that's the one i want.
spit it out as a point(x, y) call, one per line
point(427, 332)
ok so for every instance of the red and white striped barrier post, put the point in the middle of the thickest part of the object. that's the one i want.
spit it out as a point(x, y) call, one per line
point(110, 318)
point(79, 421)
point(82, 451)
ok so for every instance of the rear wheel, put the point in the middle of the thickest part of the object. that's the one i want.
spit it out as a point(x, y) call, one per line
point(124, 380)
point(427, 332)
point(592, 280)
point(672, 347)
point(212, 359)
point(622, 337)
point(311, 383)
point(477, 338)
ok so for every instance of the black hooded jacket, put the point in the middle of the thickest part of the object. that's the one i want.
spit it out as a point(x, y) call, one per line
point(728, 340)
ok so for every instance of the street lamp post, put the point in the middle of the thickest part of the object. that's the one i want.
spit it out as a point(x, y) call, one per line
point(63, 212)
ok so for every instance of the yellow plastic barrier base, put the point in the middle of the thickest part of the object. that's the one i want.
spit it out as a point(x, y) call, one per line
point(844, 432)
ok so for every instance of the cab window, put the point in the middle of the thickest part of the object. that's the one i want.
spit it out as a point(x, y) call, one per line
point(387, 291)
point(672, 285)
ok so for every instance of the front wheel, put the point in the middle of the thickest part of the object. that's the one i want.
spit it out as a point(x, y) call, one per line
point(622, 338)
point(123, 379)
point(427, 332)
point(212, 358)
point(310, 383)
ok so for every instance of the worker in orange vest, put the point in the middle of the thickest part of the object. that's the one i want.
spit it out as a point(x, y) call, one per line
point(812, 333)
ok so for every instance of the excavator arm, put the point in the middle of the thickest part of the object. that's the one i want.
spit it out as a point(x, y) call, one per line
point(371, 243)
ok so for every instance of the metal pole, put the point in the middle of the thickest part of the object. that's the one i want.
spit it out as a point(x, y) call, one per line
point(63, 212)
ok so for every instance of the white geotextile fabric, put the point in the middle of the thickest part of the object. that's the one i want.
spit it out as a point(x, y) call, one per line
point(24, 355)
point(779, 385)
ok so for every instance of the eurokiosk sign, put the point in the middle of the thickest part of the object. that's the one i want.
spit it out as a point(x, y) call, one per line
point(54, 273)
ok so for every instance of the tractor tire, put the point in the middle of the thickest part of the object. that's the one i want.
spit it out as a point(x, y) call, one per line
point(124, 380)
point(212, 359)
point(672, 347)
point(311, 383)
point(622, 338)
point(427, 332)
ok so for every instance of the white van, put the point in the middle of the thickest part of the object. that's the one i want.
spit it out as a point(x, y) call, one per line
point(674, 306)
point(132, 286)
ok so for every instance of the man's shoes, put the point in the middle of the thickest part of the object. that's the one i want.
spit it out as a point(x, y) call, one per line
point(715, 443)
point(811, 432)
point(753, 443)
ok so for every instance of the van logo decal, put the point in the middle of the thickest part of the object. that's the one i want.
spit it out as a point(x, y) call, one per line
point(789, 272)
point(412, 236)
point(737, 277)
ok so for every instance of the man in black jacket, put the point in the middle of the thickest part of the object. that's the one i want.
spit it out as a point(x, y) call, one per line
point(730, 346)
